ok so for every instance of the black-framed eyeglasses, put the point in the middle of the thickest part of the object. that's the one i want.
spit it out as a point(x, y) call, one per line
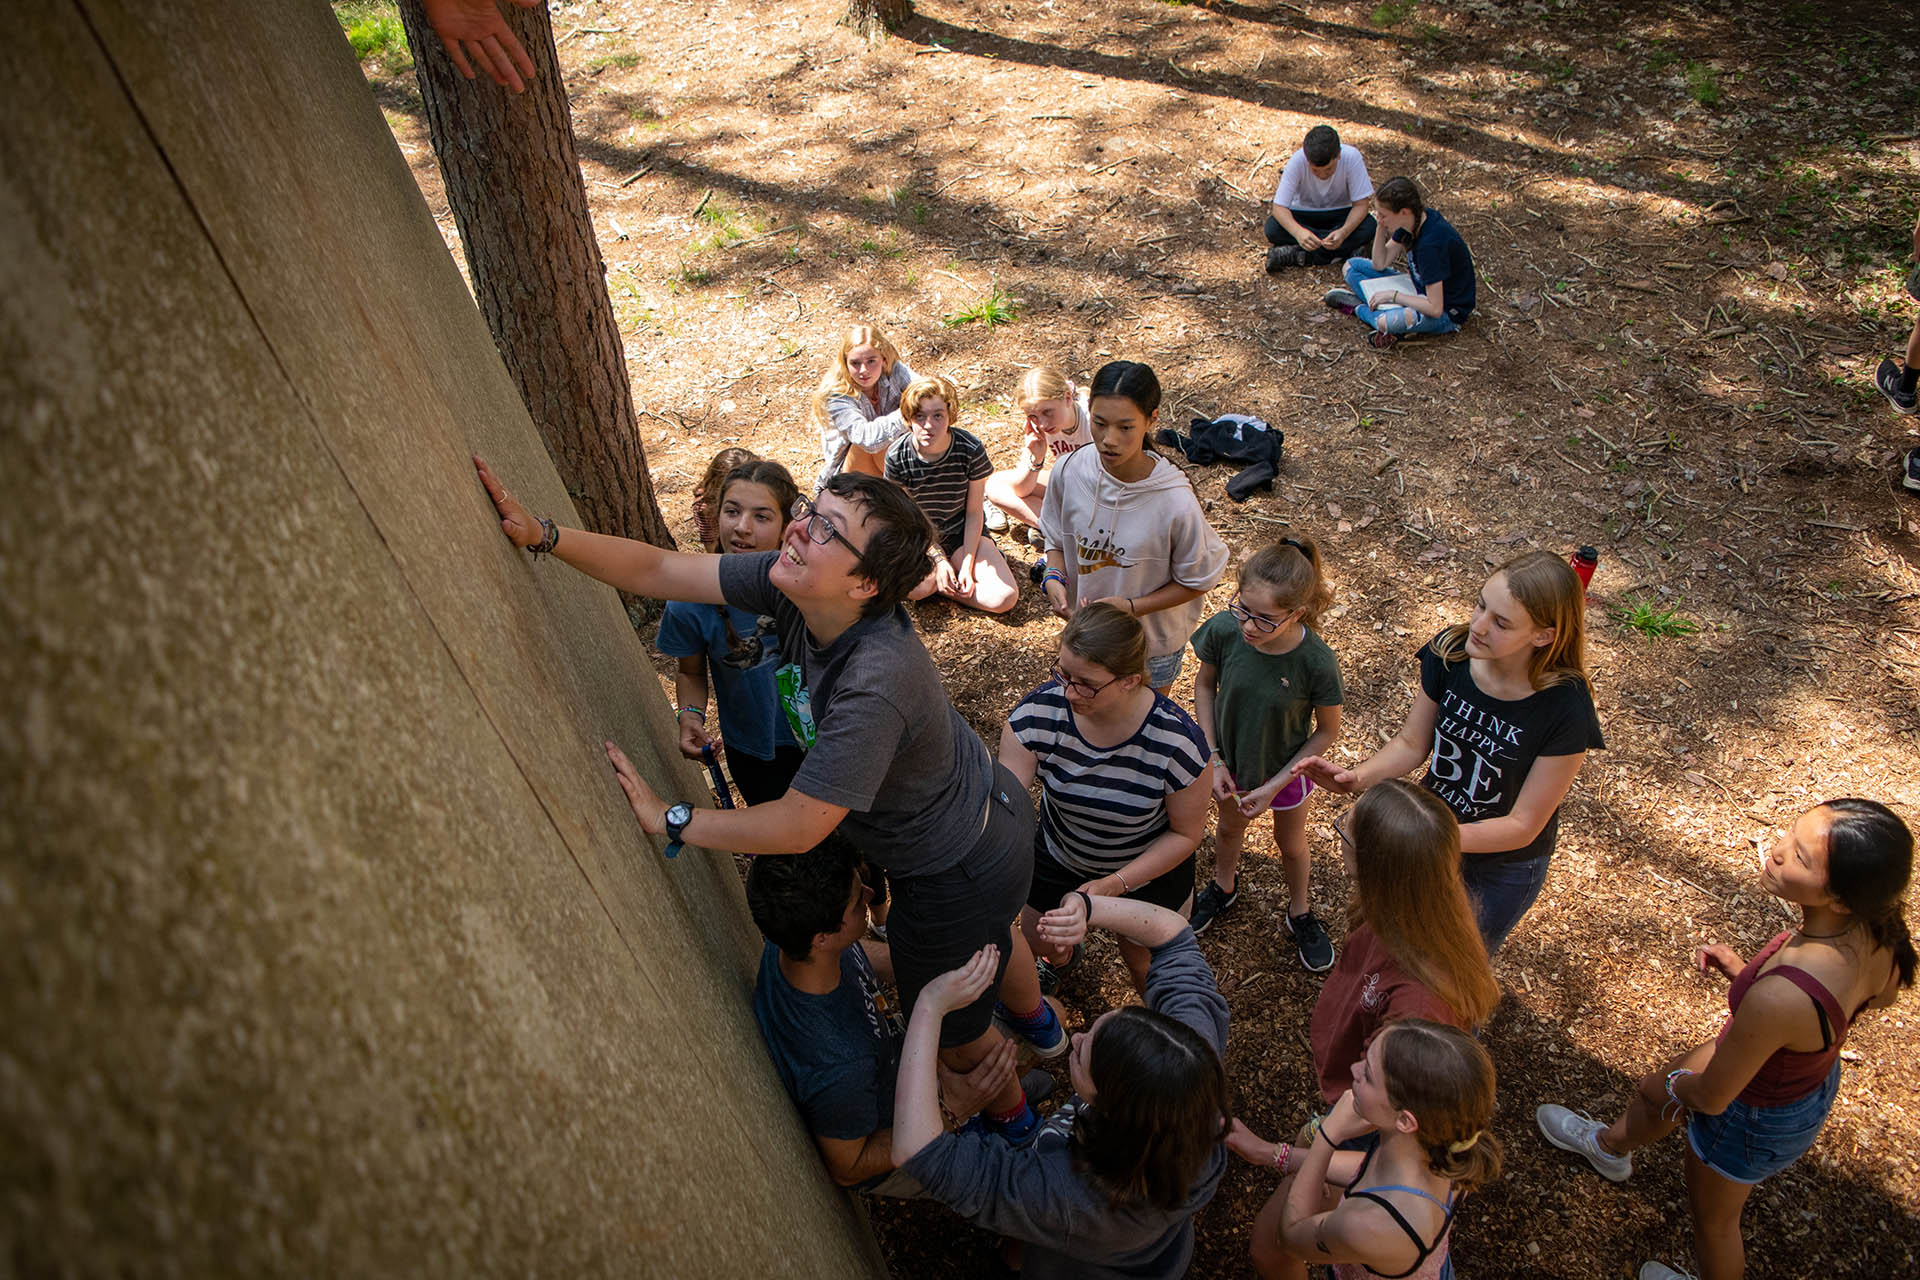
point(820, 530)
point(1260, 621)
point(1081, 687)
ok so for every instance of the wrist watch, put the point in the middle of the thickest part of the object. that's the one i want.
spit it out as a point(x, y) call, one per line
point(676, 819)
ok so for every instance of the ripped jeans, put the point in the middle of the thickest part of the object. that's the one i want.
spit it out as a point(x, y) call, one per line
point(1395, 320)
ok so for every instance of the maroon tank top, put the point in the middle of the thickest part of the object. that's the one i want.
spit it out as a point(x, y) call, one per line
point(1790, 1074)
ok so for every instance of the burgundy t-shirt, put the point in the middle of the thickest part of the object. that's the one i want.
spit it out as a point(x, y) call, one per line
point(1363, 992)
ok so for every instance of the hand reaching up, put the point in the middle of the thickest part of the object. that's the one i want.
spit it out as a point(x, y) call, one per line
point(476, 27)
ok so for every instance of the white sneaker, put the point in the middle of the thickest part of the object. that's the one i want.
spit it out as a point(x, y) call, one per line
point(1661, 1271)
point(996, 518)
point(1579, 1133)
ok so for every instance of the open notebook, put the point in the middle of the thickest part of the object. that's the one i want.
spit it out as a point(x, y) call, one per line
point(1371, 289)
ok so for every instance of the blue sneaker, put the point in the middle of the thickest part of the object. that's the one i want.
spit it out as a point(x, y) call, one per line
point(1042, 1032)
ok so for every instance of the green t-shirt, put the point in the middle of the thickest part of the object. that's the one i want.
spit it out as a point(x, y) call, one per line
point(1263, 704)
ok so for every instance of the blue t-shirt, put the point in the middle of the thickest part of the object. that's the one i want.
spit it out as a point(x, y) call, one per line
point(740, 666)
point(839, 1053)
point(1439, 254)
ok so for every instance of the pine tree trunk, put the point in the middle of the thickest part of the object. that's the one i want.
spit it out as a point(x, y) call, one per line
point(873, 19)
point(513, 181)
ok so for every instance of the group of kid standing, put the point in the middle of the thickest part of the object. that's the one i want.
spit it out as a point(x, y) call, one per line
point(830, 715)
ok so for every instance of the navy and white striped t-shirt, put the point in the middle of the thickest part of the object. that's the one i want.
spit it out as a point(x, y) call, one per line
point(1100, 806)
point(940, 487)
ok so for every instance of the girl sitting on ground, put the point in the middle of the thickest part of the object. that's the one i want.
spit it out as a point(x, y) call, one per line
point(1123, 525)
point(857, 407)
point(1110, 1184)
point(1755, 1096)
point(1420, 1112)
point(1503, 720)
point(1268, 696)
point(1412, 950)
point(1123, 782)
point(1055, 417)
point(945, 469)
point(739, 649)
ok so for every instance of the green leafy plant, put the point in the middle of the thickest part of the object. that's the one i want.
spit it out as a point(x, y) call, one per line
point(1703, 84)
point(1655, 622)
point(1392, 13)
point(375, 32)
point(994, 309)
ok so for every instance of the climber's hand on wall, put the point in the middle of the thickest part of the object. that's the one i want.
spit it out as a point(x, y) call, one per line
point(647, 806)
point(476, 27)
point(518, 523)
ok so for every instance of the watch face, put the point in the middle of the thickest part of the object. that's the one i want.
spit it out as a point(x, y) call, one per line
point(679, 815)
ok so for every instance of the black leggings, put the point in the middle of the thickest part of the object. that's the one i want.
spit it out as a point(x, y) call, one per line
point(1360, 240)
point(763, 780)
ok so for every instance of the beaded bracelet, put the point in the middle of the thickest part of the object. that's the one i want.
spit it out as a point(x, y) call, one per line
point(1678, 1107)
point(699, 711)
point(1282, 1156)
point(551, 539)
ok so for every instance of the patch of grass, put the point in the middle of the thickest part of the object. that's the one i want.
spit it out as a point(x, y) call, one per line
point(374, 30)
point(994, 309)
point(620, 60)
point(1661, 58)
point(1654, 622)
point(688, 276)
point(1392, 13)
point(1703, 84)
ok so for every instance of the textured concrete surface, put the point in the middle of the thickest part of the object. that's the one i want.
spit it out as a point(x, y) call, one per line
point(330, 946)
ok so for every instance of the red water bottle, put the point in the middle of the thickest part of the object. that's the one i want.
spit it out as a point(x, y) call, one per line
point(1584, 562)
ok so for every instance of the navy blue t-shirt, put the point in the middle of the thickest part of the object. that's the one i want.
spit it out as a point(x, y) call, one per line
point(1439, 254)
point(838, 1053)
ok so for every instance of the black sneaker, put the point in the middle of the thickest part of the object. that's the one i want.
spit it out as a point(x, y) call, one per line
point(1910, 478)
point(1051, 974)
point(1887, 378)
point(1038, 1085)
point(1316, 948)
point(1345, 301)
point(1210, 902)
point(1036, 571)
point(1282, 256)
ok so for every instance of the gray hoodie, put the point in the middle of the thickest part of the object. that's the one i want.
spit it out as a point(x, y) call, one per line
point(856, 420)
point(1124, 539)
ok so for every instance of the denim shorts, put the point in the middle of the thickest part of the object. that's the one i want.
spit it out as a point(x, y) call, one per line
point(1746, 1143)
point(1165, 669)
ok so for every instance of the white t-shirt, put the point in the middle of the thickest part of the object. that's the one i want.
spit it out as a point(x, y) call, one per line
point(1300, 189)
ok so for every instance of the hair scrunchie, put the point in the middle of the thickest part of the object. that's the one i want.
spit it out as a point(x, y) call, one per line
point(1464, 1145)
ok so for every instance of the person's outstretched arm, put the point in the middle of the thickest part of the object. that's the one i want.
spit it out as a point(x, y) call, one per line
point(1403, 753)
point(916, 1094)
point(638, 568)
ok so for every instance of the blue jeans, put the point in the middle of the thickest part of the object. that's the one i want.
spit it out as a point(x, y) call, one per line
point(1501, 893)
point(1746, 1143)
point(1396, 320)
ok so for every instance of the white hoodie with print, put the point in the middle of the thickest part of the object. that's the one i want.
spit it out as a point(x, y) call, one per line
point(1130, 539)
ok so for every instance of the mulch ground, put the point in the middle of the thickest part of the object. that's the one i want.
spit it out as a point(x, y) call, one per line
point(1690, 225)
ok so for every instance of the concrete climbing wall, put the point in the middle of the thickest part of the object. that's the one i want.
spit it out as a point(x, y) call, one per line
point(330, 946)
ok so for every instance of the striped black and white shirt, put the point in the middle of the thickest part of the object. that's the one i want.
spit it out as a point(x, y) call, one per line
point(940, 487)
point(1101, 806)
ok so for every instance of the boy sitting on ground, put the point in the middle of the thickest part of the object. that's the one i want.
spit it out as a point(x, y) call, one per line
point(830, 1026)
point(1320, 208)
point(1444, 289)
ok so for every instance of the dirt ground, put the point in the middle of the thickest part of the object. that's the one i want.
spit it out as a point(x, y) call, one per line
point(1690, 222)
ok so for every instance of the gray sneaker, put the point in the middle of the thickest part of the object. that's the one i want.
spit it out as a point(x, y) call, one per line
point(995, 517)
point(1661, 1271)
point(1579, 1133)
point(1316, 948)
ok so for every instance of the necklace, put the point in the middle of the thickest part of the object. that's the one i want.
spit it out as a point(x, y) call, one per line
point(1821, 937)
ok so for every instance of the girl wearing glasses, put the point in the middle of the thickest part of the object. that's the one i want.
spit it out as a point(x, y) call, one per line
point(1268, 696)
point(1503, 720)
point(1123, 778)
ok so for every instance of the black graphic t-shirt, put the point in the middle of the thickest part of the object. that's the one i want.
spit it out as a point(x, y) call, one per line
point(1483, 747)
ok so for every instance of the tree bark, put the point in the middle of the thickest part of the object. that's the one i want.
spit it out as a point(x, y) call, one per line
point(873, 19)
point(513, 181)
